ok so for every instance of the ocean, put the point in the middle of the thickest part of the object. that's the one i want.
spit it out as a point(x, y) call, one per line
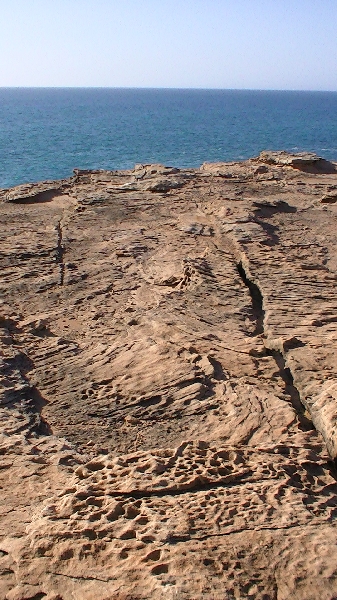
point(47, 132)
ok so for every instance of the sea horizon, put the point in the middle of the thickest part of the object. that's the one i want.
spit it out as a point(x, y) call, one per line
point(117, 87)
point(46, 132)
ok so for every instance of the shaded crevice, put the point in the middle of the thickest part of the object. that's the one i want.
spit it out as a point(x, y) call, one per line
point(42, 427)
point(332, 468)
point(60, 251)
point(34, 399)
point(219, 374)
point(257, 300)
point(291, 391)
point(270, 230)
point(38, 197)
point(33, 406)
point(82, 577)
point(20, 394)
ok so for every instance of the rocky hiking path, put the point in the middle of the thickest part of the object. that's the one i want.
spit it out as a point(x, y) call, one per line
point(168, 380)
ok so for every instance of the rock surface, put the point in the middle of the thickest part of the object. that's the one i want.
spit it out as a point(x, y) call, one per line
point(304, 161)
point(169, 383)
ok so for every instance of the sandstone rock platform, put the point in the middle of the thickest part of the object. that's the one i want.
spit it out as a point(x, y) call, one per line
point(168, 380)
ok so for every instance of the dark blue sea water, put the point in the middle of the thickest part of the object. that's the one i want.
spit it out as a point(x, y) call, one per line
point(46, 132)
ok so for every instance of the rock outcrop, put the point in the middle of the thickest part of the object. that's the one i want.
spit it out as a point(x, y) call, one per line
point(169, 383)
point(304, 161)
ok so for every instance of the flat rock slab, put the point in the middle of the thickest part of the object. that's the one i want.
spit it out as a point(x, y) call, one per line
point(169, 383)
point(304, 160)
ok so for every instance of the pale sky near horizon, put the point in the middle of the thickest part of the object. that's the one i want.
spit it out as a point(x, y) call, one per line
point(241, 44)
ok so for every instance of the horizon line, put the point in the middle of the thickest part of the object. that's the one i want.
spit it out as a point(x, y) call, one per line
point(107, 87)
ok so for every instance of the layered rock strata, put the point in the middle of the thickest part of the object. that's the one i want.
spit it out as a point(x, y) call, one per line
point(169, 383)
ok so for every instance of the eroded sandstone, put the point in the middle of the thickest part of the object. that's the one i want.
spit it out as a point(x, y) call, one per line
point(169, 383)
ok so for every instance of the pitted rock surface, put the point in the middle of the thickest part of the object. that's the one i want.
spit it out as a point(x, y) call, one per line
point(169, 383)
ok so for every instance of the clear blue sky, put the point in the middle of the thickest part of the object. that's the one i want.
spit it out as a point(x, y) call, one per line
point(254, 44)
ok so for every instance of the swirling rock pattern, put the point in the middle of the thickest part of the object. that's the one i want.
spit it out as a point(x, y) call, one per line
point(169, 383)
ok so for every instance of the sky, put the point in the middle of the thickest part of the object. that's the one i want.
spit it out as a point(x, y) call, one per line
point(230, 44)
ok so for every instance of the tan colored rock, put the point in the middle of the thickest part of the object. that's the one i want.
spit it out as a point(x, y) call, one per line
point(32, 192)
point(169, 383)
point(305, 161)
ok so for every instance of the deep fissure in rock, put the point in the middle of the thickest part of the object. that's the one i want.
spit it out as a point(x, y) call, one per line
point(257, 299)
point(284, 371)
point(291, 390)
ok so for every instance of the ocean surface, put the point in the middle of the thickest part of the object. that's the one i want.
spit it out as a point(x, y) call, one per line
point(47, 132)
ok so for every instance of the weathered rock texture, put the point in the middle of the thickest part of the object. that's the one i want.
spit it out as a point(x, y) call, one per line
point(169, 384)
